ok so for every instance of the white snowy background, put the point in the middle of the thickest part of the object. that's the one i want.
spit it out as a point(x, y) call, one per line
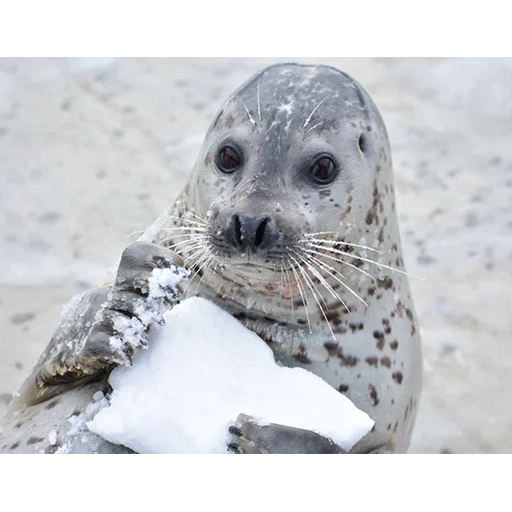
point(92, 150)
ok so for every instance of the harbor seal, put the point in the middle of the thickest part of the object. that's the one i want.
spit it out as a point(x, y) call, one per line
point(289, 222)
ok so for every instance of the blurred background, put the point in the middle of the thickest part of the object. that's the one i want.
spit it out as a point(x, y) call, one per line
point(92, 150)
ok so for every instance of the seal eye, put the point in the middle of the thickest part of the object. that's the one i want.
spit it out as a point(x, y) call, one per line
point(228, 159)
point(323, 171)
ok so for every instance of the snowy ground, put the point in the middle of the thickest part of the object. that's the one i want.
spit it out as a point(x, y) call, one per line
point(92, 150)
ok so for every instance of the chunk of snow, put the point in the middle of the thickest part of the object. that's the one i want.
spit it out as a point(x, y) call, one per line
point(202, 370)
point(52, 437)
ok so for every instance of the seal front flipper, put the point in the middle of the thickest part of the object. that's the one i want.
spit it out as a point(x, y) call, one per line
point(102, 328)
point(247, 437)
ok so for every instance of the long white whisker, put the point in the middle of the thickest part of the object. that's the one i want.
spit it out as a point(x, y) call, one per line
point(313, 111)
point(206, 259)
point(189, 240)
point(191, 236)
point(336, 242)
point(339, 260)
point(202, 223)
point(288, 279)
point(207, 268)
point(302, 297)
point(330, 249)
point(197, 244)
point(192, 229)
point(311, 286)
point(259, 104)
point(136, 233)
point(313, 127)
point(323, 280)
point(250, 117)
point(190, 212)
point(327, 269)
point(196, 251)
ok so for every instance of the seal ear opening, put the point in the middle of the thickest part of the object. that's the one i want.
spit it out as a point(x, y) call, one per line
point(362, 143)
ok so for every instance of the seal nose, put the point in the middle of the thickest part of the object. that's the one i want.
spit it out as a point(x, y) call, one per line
point(250, 232)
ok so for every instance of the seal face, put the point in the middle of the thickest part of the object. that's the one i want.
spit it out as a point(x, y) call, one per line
point(289, 222)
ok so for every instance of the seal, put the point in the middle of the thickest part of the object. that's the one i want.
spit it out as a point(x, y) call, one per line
point(289, 222)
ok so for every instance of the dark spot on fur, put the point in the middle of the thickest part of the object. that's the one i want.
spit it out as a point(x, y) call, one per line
point(300, 321)
point(51, 405)
point(380, 343)
point(34, 440)
point(331, 347)
point(373, 395)
point(302, 358)
point(356, 326)
point(398, 377)
point(342, 388)
point(14, 446)
point(333, 316)
point(18, 425)
point(385, 283)
point(378, 335)
point(369, 217)
point(385, 361)
point(349, 361)
point(409, 314)
point(395, 428)
point(372, 361)
point(325, 193)
point(230, 120)
point(371, 290)
point(51, 449)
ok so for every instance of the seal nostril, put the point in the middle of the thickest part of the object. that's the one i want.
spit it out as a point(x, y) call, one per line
point(260, 232)
point(237, 225)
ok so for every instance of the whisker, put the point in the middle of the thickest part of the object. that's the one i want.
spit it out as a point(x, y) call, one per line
point(207, 268)
point(208, 258)
point(193, 229)
point(193, 246)
point(323, 280)
point(327, 269)
point(136, 233)
point(202, 223)
point(196, 251)
point(259, 104)
point(290, 286)
point(336, 242)
point(311, 286)
point(339, 260)
point(188, 240)
point(250, 117)
point(363, 259)
point(313, 127)
point(313, 111)
point(302, 297)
